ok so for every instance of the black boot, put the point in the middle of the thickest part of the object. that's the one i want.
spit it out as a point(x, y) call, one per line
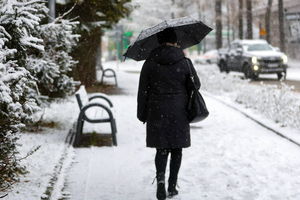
point(172, 189)
point(161, 190)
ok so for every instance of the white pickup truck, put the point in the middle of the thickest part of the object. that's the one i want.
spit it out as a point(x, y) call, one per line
point(253, 57)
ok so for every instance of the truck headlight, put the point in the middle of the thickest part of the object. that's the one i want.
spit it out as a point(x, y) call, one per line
point(254, 60)
point(284, 59)
point(255, 68)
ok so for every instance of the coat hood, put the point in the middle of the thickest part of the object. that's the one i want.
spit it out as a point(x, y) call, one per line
point(166, 55)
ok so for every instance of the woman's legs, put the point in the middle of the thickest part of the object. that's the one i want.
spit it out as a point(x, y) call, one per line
point(176, 156)
point(161, 160)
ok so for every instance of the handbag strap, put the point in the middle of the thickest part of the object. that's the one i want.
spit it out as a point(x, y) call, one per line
point(190, 69)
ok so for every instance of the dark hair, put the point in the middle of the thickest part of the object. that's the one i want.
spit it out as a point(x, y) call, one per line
point(167, 35)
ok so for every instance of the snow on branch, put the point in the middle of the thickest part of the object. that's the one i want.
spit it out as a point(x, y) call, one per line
point(32, 42)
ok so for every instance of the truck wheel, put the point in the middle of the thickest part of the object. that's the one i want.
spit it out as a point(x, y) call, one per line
point(284, 78)
point(280, 75)
point(223, 67)
point(254, 77)
point(247, 71)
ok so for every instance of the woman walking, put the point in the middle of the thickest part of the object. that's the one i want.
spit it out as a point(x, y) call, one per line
point(162, 104)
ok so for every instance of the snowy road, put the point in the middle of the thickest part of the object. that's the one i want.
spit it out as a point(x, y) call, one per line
point(292, 79)
point(271, 79)
point(231, 158)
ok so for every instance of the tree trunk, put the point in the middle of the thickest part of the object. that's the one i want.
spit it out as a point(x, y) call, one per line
point(249, 19)
point(99, 55)
point(228, 22)
point(234, 22)
point(86, 54)
point(267, 21)
point(218, 9)
point(281, 25)
point(173, 14)
point(241, 25)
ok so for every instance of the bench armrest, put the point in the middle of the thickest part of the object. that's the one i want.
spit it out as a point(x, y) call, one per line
point(109, 70)
point(90, 105)
point(101, 96)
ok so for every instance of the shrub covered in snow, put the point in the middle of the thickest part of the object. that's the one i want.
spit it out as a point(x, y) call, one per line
point(53, 66)
point(33, 57)
point(277, 103)
point(17, 85)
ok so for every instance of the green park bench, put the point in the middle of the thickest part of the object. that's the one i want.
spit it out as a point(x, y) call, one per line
point(85, 103)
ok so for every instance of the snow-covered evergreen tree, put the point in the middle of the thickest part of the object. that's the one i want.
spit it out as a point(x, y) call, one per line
point(18, 22)
point(33, 57)
point(52, 67)
point(16, 105)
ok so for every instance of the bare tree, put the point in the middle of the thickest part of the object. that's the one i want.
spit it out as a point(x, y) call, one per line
point(233, 16)
point(241, 35)
point(218, 9)
point(249, 19)
point(267, 20)
point(281, 25)
point(229, 24)
point(173, 14)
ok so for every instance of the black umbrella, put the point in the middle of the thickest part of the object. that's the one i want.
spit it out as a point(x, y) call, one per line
point(188, 30)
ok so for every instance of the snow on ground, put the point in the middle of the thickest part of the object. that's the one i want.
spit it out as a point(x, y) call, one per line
point(41, 164)
point(231, 158)
point(276, 102)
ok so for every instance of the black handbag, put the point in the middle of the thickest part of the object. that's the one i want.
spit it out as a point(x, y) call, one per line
point(197, 110)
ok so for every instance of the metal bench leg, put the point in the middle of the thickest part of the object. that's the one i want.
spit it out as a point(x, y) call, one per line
point(102, 77)
point(114, 132)
point(79, 129)
point(116, 80)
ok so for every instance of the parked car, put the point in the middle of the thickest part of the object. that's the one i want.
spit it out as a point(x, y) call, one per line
point(211, 56)
point(253, 57)
point(200, 60)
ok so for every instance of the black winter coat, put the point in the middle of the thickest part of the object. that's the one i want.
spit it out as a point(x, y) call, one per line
point(163, 97)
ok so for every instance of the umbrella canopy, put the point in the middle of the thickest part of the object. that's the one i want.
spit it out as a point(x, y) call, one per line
point(189, 32)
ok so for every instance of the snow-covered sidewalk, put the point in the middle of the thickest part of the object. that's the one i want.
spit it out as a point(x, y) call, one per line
point(231, 158)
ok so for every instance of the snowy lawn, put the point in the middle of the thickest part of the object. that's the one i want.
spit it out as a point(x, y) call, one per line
point(231, 158)
point(276, 103)
point(42, 163)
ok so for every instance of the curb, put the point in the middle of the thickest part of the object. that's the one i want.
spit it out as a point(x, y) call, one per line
point(57, 182)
